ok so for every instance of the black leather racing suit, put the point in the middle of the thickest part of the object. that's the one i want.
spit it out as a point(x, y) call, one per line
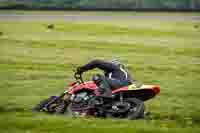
point(115, 76)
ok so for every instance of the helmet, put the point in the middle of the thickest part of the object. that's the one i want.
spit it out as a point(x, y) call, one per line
point(116, 62)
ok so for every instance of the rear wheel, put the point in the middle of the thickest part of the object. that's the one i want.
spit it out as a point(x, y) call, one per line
point(136, 109)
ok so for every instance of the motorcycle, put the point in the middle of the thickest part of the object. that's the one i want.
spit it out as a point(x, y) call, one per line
point(83, 99)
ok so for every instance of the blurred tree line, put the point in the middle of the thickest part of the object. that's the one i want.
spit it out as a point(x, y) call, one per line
point(102, 4)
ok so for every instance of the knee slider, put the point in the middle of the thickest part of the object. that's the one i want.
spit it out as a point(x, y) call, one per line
point(97, 79)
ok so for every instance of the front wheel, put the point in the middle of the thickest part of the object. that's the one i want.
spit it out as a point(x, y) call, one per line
point(51, 105)
point(61, 107)
point(41, 106)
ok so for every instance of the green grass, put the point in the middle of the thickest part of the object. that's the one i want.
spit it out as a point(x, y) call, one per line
point(36, 62)
point(116, 13)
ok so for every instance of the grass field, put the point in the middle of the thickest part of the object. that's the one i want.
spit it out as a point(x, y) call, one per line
point(36, 62)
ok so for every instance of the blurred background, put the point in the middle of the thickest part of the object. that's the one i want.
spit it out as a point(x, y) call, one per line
point(183, 5)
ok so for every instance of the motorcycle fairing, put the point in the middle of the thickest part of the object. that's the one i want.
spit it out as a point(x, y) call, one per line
point(90, 85)
point(143, 92)
point(133, 87)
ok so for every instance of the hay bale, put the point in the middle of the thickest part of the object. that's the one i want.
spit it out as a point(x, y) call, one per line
point(1, 33)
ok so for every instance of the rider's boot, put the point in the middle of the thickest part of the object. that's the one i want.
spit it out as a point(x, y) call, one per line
point(104, 87)
point(105, 93)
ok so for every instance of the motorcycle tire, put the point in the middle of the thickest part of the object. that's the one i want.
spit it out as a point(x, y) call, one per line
point(137, 109)
point(40, 107)
point(60, 108)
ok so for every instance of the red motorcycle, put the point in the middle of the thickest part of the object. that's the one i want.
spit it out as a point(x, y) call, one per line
point(82, 99)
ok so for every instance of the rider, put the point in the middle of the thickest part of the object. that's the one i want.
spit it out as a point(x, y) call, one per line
point(115, 75)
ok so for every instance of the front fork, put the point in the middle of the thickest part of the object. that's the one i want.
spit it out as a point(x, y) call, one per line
point(66, 97)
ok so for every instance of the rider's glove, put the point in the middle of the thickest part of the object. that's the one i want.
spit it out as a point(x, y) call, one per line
point(79, 70)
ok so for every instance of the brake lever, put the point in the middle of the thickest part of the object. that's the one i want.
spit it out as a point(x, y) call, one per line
point(78, 78)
